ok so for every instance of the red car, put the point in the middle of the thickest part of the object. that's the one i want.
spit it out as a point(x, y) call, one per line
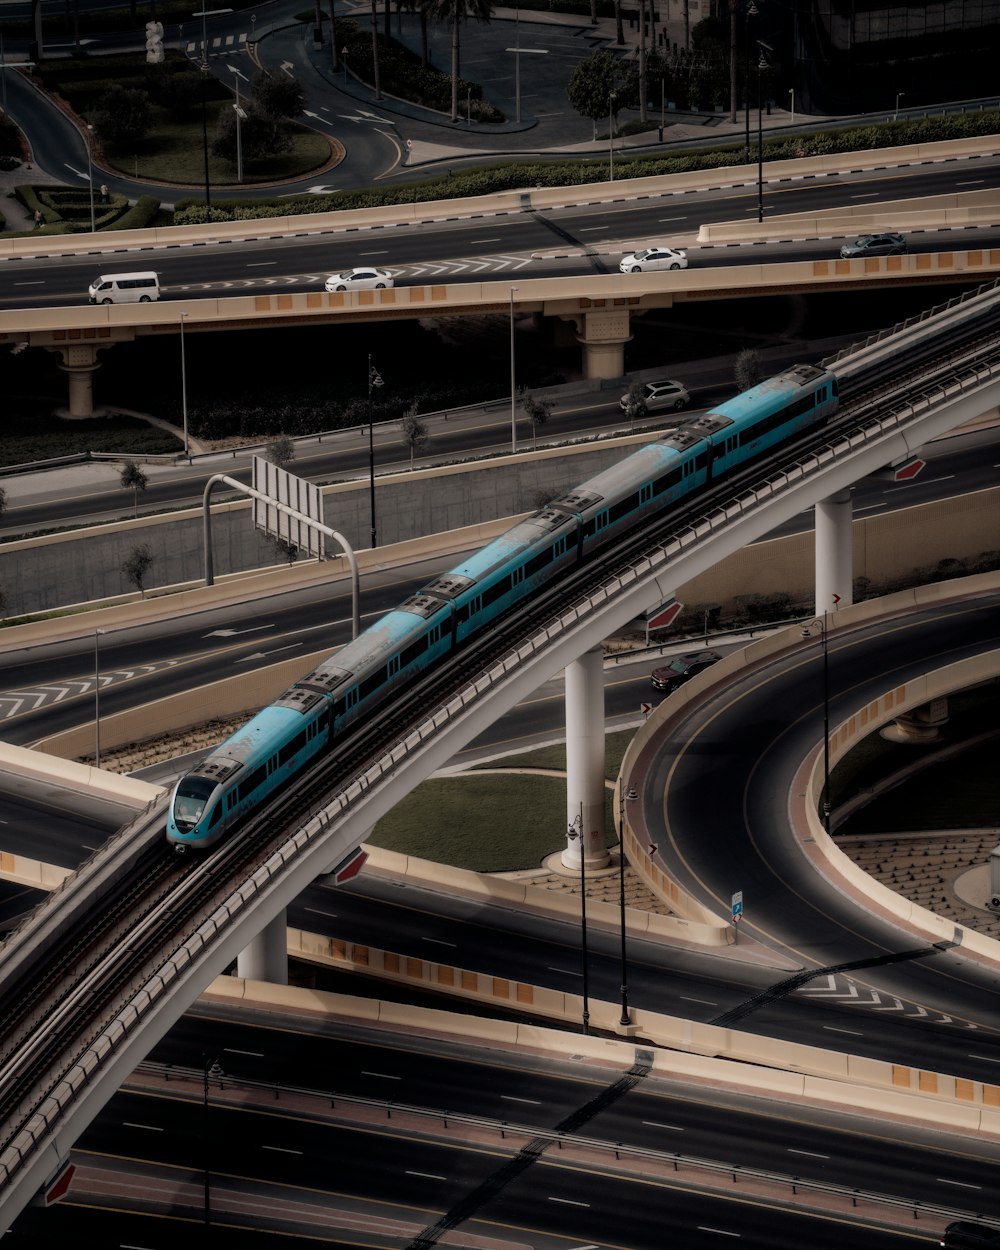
point(681, 669)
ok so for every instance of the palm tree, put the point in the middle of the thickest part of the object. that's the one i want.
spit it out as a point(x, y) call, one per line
point(454, 11)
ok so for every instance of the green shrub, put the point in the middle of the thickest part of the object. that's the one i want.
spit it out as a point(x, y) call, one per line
point(140, 216)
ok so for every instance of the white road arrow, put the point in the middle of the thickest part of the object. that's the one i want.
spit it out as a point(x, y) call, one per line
point(287, 67)
point(316, 117)
point(232, 633)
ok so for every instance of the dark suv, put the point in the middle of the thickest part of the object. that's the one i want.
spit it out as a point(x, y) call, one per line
point(971, 1235)
point(874, 245)
point(682, 669)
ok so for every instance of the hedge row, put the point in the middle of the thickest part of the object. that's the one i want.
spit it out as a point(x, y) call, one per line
point(491, 179)
point(66, 210)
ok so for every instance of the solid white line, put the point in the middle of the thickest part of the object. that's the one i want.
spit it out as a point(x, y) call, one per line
point(254, 1054)
point(385, 1076)
point(33, 282)
point(319, 912)
point(534, 1102)
point(674, 1128)
point(707, 1001)
point(260, 264)
point(813, 1154)
point(671, 219)
point(723, 1232)
point(427, 1176)
point(865, 195)
point(923, 481)
point(985, 1058)
point(150, 1128)
point(568, 1202)
point(438, 942)
point(942, 1180)
point(850, 1032)
point(970, 182)
point(478, 241)
point(281, 1150)
point(383, 252)
point(565, 972)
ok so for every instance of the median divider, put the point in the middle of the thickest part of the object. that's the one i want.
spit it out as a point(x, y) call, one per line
point(682, 1050)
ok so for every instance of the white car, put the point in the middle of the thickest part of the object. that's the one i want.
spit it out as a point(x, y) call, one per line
point(654, 258)
point(359, 280)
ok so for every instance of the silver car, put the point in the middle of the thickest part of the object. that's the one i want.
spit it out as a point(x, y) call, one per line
point(874, 245)
point(658, 395)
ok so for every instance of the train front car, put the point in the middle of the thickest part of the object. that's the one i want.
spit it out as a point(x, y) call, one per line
point(244, 770)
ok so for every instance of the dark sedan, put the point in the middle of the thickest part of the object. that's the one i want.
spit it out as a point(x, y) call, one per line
point(682, 669)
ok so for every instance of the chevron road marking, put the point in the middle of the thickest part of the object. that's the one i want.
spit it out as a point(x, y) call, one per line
point(832, 988)
point(14, 702)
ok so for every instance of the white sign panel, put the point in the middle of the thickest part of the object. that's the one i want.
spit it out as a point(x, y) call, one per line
point(301, 496)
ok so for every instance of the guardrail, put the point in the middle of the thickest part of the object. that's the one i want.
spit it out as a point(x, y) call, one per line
point(508, 1131)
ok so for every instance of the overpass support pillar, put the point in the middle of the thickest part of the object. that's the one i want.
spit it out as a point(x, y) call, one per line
point(604, 335)
point(834, 553)
point(79, 362)
point(266, 958)
point(585, 762)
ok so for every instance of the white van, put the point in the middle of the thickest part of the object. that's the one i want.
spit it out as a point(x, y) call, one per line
point(124, 288)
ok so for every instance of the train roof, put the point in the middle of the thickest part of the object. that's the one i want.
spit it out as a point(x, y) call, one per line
point(258, 739)
point(541, 525)
point(771, 393)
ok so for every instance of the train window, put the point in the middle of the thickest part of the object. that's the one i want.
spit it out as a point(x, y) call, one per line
point(496, 591)
point(351, 699)
point(540, 561)
point(622, 508)
point(415, 650)
point(392, 668)
point(371, 683)
point(667, 481)
point(216, 813)
point(645, 492)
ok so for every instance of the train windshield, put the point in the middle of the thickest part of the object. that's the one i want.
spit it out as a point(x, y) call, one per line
point(189, 801)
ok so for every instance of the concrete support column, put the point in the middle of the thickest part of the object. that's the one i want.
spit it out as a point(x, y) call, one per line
point(266, 958)
point(79, 362)
point(920, 724)
point(604, 335)
point(585, 761)
point(834, 553)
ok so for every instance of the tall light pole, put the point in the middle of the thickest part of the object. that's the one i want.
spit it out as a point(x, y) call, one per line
point(205, 14)
point(240, 117)
point(623, 794)
point(374, 379)
point(751, 12)
point(184, 391)
point(611, 137)
point(791, 103)
point(213, 1069)
point(90, 175)
point(899, 96)
point(97, 697)
point(820, 623)
point(576, 831)
point(761, 66)
point(513, 386)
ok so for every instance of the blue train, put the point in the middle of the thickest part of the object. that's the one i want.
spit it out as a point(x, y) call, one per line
point(309, 717)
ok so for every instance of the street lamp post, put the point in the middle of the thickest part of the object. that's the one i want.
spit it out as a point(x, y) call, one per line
point(240, 117)
point(97, 697)
point(374, 379)
point(205, 14)
point(821, 623)
point(623, 794)
point(513, 387)
point(761, 66)
point(208, 1070)
point(611, 137)
point(90, 174)
point(576, 831)
point(184, 392)
point(791, 103)
point(751, 12)
point(899, 96)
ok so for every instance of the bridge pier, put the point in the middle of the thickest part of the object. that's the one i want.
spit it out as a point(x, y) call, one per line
point(79, 362)
point(920, 724)
point(834, 552)
point(266, 957)
point(585, 762)
point(603, 333)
